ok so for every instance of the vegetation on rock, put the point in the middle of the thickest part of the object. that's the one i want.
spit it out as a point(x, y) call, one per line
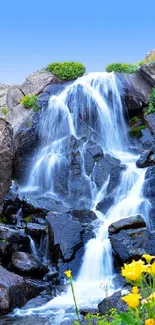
point(122, 67)
point(67, 70)
point(30, 101)
point(5, 110)
point(151, 108)
point(150, 58)
point(136, 131)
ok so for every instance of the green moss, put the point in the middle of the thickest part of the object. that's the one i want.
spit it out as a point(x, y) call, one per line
point(28, 219)
point(67, 70)
point(3, 219)
point(122, 67)
point(5, 110)
point(136, 131)
point(134, 119)
point(30, 101)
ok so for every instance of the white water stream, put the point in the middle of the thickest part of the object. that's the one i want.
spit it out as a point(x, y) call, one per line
point(101, 99)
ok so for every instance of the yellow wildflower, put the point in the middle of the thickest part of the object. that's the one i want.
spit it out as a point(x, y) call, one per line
point(153, 268)
point(150, 321)
point(133, 271)
point(132, 299)
point(68, 274)
point(147, 268)
point(134, 289)
point(148, 257)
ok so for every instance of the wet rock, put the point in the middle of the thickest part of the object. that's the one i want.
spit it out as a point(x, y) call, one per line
point(26, 264)
point(149, 193)
point(37, 81)
point(105, 166)
point(43, 100)
point(127, 223)
point(113, 302)
point(35, 230)
point(12, 204)
point(84, 216)
point(105, 204)
point(150, 120)
point(14, 96)
point(12, 240)
point(92, 153)
point(65, 234)
point(146, 159)
point(148, 72)
point(26, 142)
point(146, 140)
point(131, 244)
point(12, 288)
point(6, 158)
point(136, 91)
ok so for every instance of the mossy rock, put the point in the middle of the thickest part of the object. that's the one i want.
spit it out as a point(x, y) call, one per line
point(136, 131)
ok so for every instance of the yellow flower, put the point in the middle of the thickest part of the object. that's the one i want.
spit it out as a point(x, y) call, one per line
point(133, 271)
point(148, 257)
point(134, 289)
point(147, 268)
point(153, 268)
point(150, 321)
point(68, 274)
point(132, 299)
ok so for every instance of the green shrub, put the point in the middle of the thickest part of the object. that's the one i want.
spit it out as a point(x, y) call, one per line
point(151, 108)
point(28, 219)
point(136, 131)
point(122, 67)
point(30, 101)
point(67, 70)
point(140, 63)
point(5, 110)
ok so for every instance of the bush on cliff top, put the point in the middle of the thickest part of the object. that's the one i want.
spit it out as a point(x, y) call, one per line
point(67, 70)
point(122, 67)
point(30, 101)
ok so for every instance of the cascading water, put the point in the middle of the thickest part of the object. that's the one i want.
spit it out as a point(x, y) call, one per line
point(96, 100)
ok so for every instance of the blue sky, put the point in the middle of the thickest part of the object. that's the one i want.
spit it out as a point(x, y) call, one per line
point(95, 32)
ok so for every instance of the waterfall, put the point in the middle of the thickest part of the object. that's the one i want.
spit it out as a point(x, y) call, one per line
point(95, 99)
point(33, 248)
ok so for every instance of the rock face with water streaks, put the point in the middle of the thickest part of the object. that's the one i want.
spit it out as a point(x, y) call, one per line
point(6, 158)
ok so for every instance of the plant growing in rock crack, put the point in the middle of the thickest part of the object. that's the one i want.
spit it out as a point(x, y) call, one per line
point(30, 101)
point(151, 108)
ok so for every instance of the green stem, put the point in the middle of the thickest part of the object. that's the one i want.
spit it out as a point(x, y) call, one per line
point(76, 308)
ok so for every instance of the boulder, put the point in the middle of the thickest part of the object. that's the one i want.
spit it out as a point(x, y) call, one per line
point(26, 264)
point(127, 223)
point(149, 194)
point(147, 71)
point(135, 91)
point(150, 120)
point(14, 96)
point(129, 244)
point(12, 291)
point(107, 165)
point(6, 158)
point(146, 159)
point(106, 203)
point(113, 301)
point(19, 115)
point(3, 94)
point(37, 81)
point(35, 230)
point(12, 240)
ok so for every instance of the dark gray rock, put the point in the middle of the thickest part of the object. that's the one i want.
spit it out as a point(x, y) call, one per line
point(6, 158)
point(106, 203)
point(43, 100)
point(12, 291)
point(12, 240)
point(131, 244)
point(19, 115)
point(136, 91)
point(35, 230)
point(105, 166)
point(65, 234)
point(113, 301)
point(146, 140)
point(26, 264)
point(148, 72)
point(146, 159)
point(127, 223)
point(149, 193)
point(150, 120)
